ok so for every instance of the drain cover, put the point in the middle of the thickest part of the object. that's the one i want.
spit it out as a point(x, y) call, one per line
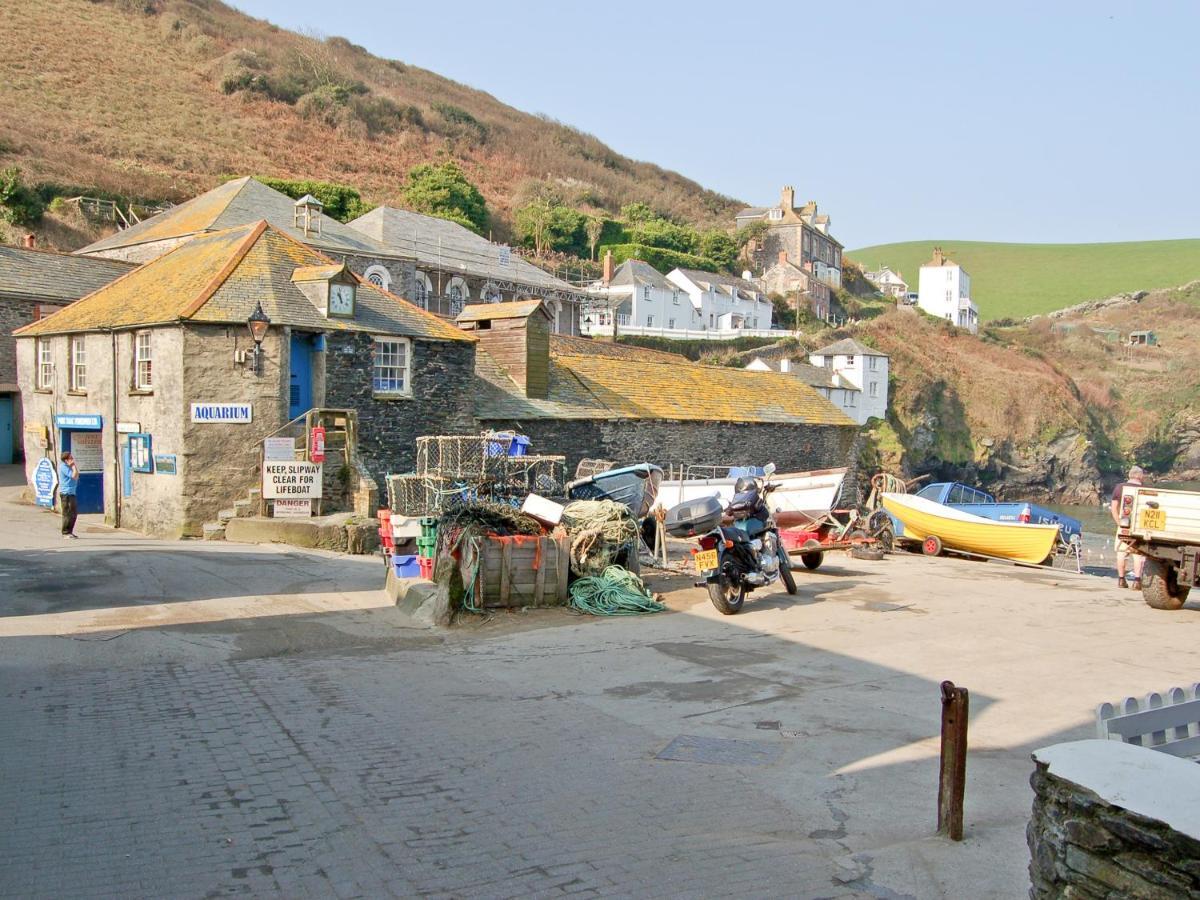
point(722, 752)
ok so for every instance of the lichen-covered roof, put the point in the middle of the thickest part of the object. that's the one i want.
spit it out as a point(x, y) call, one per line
point(592, 380)
point(318, 273)
point(848, 347)
point(220, 277)
point(48, 277)
point(242, 201)
point(517, 309)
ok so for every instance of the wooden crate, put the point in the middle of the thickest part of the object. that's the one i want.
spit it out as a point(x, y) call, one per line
point(522, 571)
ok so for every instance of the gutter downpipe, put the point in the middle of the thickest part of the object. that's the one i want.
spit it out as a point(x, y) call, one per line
point(116, 437)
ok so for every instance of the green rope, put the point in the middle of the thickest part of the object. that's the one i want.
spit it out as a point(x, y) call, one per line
point(614, 592)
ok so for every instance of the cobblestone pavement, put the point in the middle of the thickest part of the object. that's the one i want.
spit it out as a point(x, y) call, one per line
point(292, 744)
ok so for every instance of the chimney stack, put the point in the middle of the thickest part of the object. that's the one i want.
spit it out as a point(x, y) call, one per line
point(783, 257)
point(30, 240)
point(788, 197)
point(608, 266)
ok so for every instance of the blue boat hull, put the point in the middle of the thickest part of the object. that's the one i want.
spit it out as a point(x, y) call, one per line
point(634, 486)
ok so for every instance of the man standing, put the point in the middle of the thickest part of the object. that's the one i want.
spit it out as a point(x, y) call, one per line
point(1124, 551)
point(68, 484)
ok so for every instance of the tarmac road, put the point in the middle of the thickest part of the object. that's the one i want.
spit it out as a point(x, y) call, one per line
point(195, 720)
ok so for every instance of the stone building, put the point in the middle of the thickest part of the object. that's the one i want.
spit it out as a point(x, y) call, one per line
point(456, 267)
point(244, 201)
point(785, 278)
point(802, 235)
point(33, 284)
point(155, 383)
point(632, 405)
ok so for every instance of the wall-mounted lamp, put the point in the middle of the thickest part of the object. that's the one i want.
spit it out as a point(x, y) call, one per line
point(258, 323)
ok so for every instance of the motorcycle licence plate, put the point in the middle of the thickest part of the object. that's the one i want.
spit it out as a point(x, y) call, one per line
point(1154, 519)
point(706, 560)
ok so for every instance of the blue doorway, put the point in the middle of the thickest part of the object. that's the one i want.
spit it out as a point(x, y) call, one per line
point(300, 365)
point(87, 448)
point(6, 430)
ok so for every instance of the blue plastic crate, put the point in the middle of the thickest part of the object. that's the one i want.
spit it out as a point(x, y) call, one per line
point(406, 567)
point(520, 446)
point(499, 443)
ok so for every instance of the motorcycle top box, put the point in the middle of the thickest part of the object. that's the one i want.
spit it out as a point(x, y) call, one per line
point(693, 517)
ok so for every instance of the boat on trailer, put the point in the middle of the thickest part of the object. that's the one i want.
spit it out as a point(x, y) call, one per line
point(802, 498)
point(937, 526)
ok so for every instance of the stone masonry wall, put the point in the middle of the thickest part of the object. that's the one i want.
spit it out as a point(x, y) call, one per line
point(790, 447)
point(441, 401)
point(1083, 847)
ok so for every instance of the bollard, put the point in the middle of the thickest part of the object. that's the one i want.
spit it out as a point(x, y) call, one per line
point(952, 781)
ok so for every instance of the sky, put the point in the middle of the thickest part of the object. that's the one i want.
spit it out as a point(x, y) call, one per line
point(1045, 122)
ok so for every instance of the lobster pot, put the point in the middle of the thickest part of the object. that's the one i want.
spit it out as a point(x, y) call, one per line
point(693, 517)
point(463, 457)
point(417, 495)
point(521, 570)
point(524, 475)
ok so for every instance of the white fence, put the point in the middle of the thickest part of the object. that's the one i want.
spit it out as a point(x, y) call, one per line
point(704, 334)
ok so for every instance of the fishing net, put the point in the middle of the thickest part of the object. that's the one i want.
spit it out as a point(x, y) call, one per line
point(614, 592)
point(600, 530)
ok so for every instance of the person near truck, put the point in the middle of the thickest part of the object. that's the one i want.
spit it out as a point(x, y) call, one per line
point(1124, 551)
point(68, 484)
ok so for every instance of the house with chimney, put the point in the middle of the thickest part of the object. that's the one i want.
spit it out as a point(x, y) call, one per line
point(944, 291)
point(585, 398)
point(799, 236)
point(849, 374)
point(33, 284)
point(889, 282)
point(684, 303)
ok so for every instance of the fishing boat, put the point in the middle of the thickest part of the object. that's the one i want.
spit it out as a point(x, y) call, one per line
point(938, 526)
point(635, 486)
point(802, 498)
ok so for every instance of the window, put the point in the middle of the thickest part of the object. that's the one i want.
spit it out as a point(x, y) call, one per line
point(949, 295)
point(45, 365)
point(956, 495)
point(872, 362)
point(874, 388)
point(675, 297)
point(422, 290)
point(776, 214)
point(390, 373)
point(851, 398)
point(491, 294)
point(78, 364)
point(379, 276)
point(670, 323)
point(850, 360)
point(143, 363)
point(649, 321)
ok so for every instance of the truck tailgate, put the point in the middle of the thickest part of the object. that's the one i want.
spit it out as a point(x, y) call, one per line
point(1161, 515)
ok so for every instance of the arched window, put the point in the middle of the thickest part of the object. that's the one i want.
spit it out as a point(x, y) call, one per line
point(458, 294)
point(422, 290)
point(491, 293)
point(378, 276)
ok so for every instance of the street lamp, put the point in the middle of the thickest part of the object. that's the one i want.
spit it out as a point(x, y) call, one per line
point(258, 323)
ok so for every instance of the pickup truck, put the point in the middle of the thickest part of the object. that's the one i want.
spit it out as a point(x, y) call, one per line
point(1164, 527)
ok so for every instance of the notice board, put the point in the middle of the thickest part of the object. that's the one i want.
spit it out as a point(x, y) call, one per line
point(291, 480)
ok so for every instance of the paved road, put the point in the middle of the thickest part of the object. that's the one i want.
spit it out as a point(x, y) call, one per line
point(190, 720)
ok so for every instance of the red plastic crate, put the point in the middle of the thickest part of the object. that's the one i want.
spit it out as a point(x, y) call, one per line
point(426, 563)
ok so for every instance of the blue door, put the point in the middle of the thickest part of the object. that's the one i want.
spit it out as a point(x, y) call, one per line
point(6, 431)
point(300, 389)
point(89, 456)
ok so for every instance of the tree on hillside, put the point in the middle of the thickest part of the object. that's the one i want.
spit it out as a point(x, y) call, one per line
point(720, 248)
point(546, 226)
point(339, 201)
point(638, 212)
point(442, 189)
point(594, 228)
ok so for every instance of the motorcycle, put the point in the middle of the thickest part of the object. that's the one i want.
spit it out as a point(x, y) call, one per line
point(734, 560)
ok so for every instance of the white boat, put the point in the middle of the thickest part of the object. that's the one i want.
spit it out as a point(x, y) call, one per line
point(802, 498)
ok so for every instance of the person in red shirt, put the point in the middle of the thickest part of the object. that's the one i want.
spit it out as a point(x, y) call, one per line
point(1124, 551)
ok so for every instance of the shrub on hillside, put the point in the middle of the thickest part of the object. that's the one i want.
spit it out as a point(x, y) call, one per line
point(458, 123)
point(340, 201)
point(19, 203)
point(442, 189)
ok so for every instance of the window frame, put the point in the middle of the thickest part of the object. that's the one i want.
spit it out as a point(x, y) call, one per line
point(650, 321)
point(44, 356)
point(378, 389)
point(136, 384)
point(77, 364)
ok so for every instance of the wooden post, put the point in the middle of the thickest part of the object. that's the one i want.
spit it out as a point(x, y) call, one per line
point(952, 780)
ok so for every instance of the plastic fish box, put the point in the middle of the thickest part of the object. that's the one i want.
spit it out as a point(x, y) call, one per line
point(545, 511)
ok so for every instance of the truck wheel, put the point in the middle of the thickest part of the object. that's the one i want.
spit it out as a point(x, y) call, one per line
point(1160, 586)
point(812, 559)
point(932, 545)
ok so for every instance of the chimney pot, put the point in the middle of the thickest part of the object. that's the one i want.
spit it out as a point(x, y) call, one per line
point(787, 197)
point(608, 266)
point(30, 240)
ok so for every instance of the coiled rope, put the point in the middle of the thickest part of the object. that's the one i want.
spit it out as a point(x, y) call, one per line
point(614, 592)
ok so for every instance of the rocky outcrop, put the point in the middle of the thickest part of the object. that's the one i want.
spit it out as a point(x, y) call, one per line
point(1091, 306)
point(1063, 470)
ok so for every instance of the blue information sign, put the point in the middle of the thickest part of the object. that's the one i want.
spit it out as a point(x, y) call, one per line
point(45, 478)
point(79, 422)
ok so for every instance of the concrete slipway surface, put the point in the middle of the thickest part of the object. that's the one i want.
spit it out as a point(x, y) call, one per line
point(200, 720)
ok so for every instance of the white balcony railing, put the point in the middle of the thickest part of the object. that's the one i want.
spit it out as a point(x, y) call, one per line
point(701, 334)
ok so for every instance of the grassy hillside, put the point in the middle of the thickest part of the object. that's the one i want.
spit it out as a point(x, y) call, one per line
point(160, 98)
point(1018, 280)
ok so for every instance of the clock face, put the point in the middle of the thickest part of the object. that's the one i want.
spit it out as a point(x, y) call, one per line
point(341, 299)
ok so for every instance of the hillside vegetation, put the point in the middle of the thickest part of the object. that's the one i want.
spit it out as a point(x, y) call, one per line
point(1012, 281)
point(159, 99)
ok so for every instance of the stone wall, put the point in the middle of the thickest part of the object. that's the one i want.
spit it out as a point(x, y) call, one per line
point(1086, 841)
point(402, 271)
point(627, 441)
point(441, 401)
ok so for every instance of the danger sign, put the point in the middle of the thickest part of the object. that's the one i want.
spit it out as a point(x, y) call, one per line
point(291, 480)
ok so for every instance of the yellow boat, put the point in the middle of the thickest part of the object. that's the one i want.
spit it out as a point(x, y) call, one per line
point(936, 526)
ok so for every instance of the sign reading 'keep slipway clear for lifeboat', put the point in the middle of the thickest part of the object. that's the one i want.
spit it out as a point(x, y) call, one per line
point(224, 413)
point(291, 480)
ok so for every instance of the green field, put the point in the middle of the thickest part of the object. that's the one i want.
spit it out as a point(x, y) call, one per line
point(1017, 280)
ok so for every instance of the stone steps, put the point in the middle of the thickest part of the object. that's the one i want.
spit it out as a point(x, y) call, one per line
point(225, 515)
point(243, 508)
point(214, 531)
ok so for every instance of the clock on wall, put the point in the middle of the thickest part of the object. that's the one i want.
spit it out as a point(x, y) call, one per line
point(341, 300)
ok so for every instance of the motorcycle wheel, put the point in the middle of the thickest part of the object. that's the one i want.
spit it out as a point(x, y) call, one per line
point(725, 596)
point(785, 570)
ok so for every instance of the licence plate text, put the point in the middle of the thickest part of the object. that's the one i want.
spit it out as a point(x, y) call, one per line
point(705, 561)
point(1154, 519)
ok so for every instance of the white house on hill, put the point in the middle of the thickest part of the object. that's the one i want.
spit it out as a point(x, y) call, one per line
point(857, 366)
point(843, 395)
point(944, 290)
point(888, 281)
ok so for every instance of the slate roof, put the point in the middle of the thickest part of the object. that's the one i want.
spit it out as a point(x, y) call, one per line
point(752, 211)
point(242, 201)
point(848, 347)
point(221, 276)
point(717, 278)
point(635, 272)
point(594, 380)
point(517, 309)
point(814, 376)
point(49, 277)
point(441, 244)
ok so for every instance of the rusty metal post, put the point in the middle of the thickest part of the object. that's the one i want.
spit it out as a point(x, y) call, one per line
point(952, 781)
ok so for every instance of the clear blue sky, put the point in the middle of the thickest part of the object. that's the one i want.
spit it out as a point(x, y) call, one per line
point(1048, 121)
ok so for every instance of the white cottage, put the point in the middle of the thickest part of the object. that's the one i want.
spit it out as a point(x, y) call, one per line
point(861, 367)
point(944, 290)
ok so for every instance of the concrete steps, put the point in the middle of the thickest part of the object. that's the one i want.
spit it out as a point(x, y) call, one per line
point(225, 515)
point(243, 508)
point(214, 531)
